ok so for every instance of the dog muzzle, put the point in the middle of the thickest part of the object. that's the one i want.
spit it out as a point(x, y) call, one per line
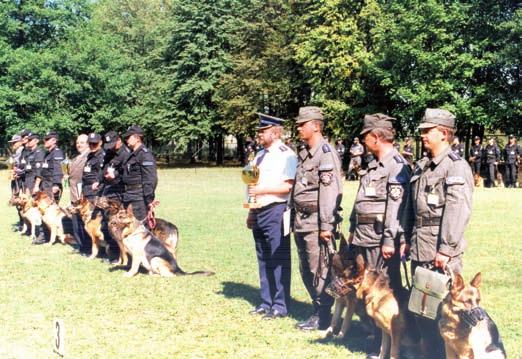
point(338, 288)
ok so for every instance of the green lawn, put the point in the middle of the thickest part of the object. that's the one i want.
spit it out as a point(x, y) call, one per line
point(109, 316)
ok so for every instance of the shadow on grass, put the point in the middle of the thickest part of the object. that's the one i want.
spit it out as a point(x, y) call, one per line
point(297, 310)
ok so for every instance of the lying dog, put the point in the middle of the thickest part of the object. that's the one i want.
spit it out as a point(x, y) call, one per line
point(164, 230)
point(146, 249)
point(52, 216)
point(372, 287)
point(467, 330)
point(31, 215)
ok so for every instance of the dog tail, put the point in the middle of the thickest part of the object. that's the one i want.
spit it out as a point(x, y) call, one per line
point(177, 270)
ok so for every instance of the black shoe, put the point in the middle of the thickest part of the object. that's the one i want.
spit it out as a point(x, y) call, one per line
point(273, 314)
point(259, 310)
point(311, 323)
point(38, 241)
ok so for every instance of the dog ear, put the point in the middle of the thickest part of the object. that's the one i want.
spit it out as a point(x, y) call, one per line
point(477, 280)
point(130, 212)
point(457, 284)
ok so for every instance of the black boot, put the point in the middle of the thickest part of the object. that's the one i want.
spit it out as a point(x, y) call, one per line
point(311, 323)
point(325, 317)
point(40, 236)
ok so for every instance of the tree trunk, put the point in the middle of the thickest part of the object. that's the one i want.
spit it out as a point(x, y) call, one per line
point(241, 150)
point(220, 149)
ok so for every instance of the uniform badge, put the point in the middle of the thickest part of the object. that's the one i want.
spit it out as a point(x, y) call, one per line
point(37, 165)
point(326, 178)
point(396, 192)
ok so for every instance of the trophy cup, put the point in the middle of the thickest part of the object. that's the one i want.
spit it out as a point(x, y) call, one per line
point(65, 171)
point(250, 176)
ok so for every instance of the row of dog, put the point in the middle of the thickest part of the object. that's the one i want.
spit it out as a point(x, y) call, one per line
point(467, 330)
point(154, 249)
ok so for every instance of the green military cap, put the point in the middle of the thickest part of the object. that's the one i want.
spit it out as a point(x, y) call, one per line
point(377, 120)
point(309, 113)
point(434, 117)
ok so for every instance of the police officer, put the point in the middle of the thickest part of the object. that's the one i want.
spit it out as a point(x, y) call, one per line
point(376, 230)
point(457, 147)
point(492, 153)
point(316, 199)
point(17, 148)
point(32, 161)
point(340, 149)
point(277, 165)
point(475, 155)
point(407, 151)
point(512, 154)
point(92, 171)
point(356, 153)
point(50, 177)
point(116, 153)
point(440, 206)
point(139, 174)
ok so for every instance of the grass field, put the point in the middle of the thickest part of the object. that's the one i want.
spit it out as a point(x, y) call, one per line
point(108, 316)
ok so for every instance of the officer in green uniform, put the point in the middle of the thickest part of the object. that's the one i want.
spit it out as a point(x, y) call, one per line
point(376, 228)
point(440, 206)
point(316, 198)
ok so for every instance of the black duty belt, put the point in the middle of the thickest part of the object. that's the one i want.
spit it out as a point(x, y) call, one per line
point(428, 221)
point(368, 218)
point(306, 208)
point(133, 186)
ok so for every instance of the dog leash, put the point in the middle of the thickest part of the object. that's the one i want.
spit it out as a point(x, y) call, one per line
point(403, 262)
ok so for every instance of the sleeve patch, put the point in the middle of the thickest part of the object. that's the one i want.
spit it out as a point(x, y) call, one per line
point(148, 163)
point(398, 159)
point(454, 156)
point(396, 192)
point(326, 167)
point(283, 148)
point(455, 180)
point(326, 178)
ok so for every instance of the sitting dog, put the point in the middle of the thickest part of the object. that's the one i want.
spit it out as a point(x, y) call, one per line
point(93, 226)
point(372, 287)
point(164, 230)
point(145, 248)
point(467, 330)
point(52, 216)
point(31, 216)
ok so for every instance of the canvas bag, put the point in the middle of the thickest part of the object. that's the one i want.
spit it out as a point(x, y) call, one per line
point(428, 291)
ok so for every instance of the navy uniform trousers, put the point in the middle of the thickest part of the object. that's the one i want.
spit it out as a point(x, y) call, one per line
point(273, 257)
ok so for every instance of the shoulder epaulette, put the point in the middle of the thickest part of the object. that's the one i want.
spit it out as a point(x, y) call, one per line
point(454, 156)
point(398, 159)
point(145, 149)
point(283, 148)
point(326, 148)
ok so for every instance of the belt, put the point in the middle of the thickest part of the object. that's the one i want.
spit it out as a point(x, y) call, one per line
point(306, 208)
point(133, 186)
point(368, 218)
point(268, 206)
point(428, 221)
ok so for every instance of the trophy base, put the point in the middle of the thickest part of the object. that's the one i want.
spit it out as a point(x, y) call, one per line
point(251, 205)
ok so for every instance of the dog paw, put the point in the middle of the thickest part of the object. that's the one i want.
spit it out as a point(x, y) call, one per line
point(128, 274)
point(48, 244)
point(329, 332)
point(339, 336)
point(91, 257)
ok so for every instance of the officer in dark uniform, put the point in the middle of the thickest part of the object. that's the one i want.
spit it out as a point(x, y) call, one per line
point(16, 173)
point(475, 155)
point(116, 153)
point(51, 174)
point(32, 161)
point(341, 150)
point(439, 211)
point(407, 151)
point(139, 174)
point(92, 171)
point(458, 147)
point(492, 153)
point(512, 153)
point(316, 199)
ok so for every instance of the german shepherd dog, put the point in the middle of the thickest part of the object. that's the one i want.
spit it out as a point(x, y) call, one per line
point(93, 226)
point(372, 287)
point(164, 230)
point(467, 330)
point(478, 180)
point(52, 216)
point(145, 248)
point(342, 265)
point(30, 214)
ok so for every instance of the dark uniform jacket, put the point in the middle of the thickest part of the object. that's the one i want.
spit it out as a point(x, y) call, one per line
point(115, 159)
point(92, 172)
point(492, 153)
point(318, 189)
point(458, 149)
point(377, 214)
point(51, 173)
point(140, 176)
point(475, 153)
point(32, 166)
point(440, 206)
point(407, 153)
point(512, 153)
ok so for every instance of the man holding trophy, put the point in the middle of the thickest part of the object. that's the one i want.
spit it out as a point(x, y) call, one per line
point(272, 172)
